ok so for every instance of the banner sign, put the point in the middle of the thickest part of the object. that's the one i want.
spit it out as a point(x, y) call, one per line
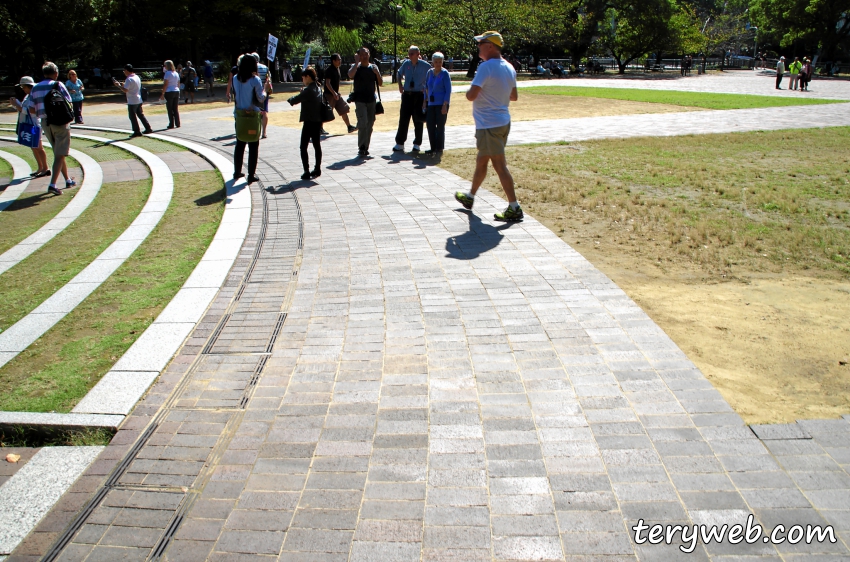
point(272, 48)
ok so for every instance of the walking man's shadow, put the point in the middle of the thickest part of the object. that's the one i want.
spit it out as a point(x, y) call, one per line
point(481, 237)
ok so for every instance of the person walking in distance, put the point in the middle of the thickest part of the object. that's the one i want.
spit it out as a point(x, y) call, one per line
point(411, 86)
point(780, 72)
point(171, 93)
point(332, 96)
point(188, 76)
point(208, 78)
point(492, 89)
point(53, 106)
point(310, 99)
point(133, 88)
point(75, 88)
point(366, 81)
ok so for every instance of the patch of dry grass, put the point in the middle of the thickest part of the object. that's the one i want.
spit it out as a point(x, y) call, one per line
point(528, 108)
point(717, 202)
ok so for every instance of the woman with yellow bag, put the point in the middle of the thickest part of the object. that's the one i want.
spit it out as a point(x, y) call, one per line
point(249, 93)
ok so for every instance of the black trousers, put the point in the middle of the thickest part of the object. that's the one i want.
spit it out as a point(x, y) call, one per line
point(78, 111)
point(311, 131)
point(411, 106)
point(436, 127)
point(136, 115)
point(172, 104)
point(779, 79)
point(239, 155)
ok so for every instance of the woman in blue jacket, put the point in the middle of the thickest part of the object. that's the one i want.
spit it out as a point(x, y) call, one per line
point(438, 93)
point(310, 99)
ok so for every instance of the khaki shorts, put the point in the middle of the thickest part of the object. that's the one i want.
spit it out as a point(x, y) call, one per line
point(60, 138)
point(341, 107)
point(491, 142)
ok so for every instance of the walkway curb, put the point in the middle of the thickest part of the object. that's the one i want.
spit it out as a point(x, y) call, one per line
point(128, 380)
point(28, 329)
point(92, 182)
point(21, 170)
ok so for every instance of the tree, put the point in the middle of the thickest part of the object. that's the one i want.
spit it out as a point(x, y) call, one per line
point(726, 29)
point(818, 24)
point(635, 29)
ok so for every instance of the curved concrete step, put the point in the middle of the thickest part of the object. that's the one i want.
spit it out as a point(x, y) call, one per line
point(92, 181)
point(27, 330)
point(123, 386)
point(21, 170)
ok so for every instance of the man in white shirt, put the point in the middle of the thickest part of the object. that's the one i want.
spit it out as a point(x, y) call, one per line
point(492, 90)
point(133, 88)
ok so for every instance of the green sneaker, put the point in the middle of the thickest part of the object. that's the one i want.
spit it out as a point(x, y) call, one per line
point(464, 199)
point(509, 215)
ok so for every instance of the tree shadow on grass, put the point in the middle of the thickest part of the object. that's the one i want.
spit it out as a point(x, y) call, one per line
point(481, 237)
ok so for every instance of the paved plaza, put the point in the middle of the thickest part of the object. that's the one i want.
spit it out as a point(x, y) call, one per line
point(385, 376)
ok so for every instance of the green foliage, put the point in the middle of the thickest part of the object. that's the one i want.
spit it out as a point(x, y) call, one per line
point(637, 29)
point(816, 24)
point(343, 41)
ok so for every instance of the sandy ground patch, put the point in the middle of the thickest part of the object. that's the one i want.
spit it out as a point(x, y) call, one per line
point(528, 108)
point(764, 315)
point(772, 346)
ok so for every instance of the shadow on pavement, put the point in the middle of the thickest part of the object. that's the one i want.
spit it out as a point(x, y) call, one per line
point(421, 162)
point(481, 237)
point(291, 186)
point(343, 164)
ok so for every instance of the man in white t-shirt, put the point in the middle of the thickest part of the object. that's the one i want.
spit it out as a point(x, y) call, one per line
point(133, 88)
point(493, 88)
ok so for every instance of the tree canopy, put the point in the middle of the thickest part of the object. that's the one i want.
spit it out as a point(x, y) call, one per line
point(113, 32)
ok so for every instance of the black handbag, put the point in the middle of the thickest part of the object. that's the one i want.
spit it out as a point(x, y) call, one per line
point(327, 110)
point(379, 107)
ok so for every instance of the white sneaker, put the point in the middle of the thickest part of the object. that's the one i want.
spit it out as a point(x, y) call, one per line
point(398, 148)
point(415, 148)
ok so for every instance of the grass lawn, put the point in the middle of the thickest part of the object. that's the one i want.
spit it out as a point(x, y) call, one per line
point(737, 245)
point(686, 99)
point(5, 168)
point(37, 277)
point(26, 154)
point(56, 371)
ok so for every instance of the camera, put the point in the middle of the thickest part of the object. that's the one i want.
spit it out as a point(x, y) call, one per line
point(350, 98)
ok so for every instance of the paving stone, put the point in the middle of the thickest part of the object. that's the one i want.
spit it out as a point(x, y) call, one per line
point(423, 401)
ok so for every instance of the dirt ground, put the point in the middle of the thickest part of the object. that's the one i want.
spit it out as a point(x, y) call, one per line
point(528, 108)
point(770, 338)
point(771, 345)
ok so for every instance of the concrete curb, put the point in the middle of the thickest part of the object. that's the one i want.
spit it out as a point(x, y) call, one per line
point(27, 497)
point(92, 182)
point(28, 329)
point(21, 170)
point(128, 380)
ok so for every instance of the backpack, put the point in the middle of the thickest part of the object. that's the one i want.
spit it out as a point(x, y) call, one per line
point(57, 108)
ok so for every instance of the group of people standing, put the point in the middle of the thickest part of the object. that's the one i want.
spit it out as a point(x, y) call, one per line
point(800, 71)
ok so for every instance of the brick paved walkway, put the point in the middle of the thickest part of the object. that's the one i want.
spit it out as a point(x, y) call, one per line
point(385, 376)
